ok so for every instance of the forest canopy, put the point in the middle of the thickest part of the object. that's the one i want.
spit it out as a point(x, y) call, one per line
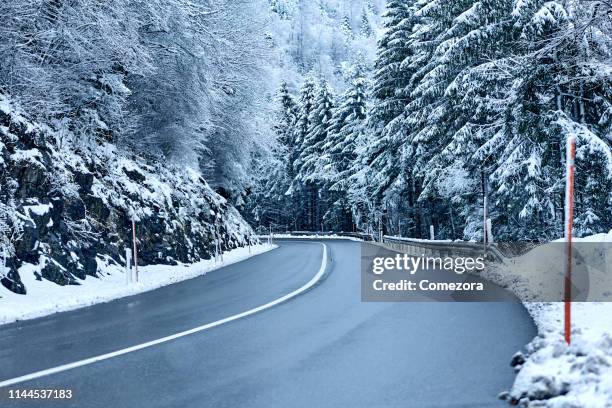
point(179, 80)
point(465, 100)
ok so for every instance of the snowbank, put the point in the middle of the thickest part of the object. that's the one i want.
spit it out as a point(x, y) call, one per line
point(45, 297)
point(554, 374)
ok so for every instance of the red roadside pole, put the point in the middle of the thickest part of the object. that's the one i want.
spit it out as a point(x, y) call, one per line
point(135, 250)
point(569, 222)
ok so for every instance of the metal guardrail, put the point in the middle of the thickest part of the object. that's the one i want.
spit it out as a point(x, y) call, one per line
point(415, 246)
point(358, 235)
point(444, 248)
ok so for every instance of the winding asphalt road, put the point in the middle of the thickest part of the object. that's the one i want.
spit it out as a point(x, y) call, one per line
point(323, 348)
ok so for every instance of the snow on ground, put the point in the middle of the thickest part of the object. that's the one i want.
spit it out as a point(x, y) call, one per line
point(45, 297)
point(312, 236)
point(568, 377)
point(556, 375)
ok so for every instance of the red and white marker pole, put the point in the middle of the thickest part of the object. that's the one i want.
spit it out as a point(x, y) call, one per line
point(135, 249)
point(569, 222)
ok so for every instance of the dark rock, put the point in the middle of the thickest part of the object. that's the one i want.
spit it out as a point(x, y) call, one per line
point(33, 179)
point(517, 359)
point(84, 181)
point(13, 283)
point(223, 193)
point(134, 175)
point(25, 247)
point(53, 272)
point(543, 387)
point(74, 208)
point(76, 268)
point(90, 266)
point(96, 208)
point(41, 220)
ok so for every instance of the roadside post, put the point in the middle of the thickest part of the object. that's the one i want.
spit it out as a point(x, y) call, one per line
point(216, 243)
point(218, 252)
point(607, 244)
point(134, 244)
point(216, 248)
point(569, 222)
point(432, 233)
point(485, 230)
point(485, 214)
point(220, 248)
point(128, 266)
point(3, 266)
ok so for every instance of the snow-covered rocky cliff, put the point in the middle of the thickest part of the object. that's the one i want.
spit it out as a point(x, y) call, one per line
point(66, 206)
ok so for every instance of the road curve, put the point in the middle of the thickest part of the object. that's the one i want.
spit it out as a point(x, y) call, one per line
point(322, 349)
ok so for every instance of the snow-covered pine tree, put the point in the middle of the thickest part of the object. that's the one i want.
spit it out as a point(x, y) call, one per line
point(311, 173)
point(446, 124)
point(297, 190)
point(277, 179)
point(366, 26)
point(505, 80)
point(551, 89)
point(283, 8)
point(394, 68)
point(316, 137)
point(347, 27)
point(471, 96)
point(284, 127)
point(346, 128)
point(421, 131)
point(389, 79)
point(267, 204)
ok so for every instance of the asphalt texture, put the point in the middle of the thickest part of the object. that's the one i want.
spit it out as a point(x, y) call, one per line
point(324, 348)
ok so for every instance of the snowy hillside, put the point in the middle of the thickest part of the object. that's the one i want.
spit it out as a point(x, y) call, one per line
point(66, 212)
point(323, 38)
point(117, 110)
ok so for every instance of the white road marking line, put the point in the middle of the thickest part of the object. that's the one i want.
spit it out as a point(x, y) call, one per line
point(91, 360)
